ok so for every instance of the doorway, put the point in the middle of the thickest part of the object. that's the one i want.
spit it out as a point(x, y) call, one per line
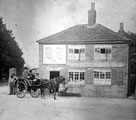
point(54, 74)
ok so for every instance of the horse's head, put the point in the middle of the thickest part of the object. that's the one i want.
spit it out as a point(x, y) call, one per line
point(62, 79)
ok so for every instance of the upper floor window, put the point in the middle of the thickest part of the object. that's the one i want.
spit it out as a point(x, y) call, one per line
point(102, 52)
point(76, 52)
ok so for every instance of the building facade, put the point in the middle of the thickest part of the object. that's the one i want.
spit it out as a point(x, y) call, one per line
point(93, 59)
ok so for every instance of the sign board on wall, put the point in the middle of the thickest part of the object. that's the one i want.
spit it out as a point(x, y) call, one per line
point(54, 54)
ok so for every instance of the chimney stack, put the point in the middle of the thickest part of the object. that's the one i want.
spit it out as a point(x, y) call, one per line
point(121, 29)
point(92, 15)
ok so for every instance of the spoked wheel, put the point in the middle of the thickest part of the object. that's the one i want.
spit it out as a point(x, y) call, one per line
point(34, 92)
point(21, 89)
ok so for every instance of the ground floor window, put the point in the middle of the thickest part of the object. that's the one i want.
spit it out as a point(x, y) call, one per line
point(76, 76)
point(102, 77)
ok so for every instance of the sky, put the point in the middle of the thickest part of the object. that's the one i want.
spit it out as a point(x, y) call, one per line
point(31, 20)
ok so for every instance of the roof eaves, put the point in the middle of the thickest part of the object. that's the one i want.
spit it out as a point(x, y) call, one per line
point(88, 42)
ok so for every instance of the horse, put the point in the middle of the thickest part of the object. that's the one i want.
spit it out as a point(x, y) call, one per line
point(52, 84)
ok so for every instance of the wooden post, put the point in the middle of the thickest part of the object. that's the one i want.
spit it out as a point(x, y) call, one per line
point(135, 93)
point(12, 70)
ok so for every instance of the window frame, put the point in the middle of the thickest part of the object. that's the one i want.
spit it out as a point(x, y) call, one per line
point(102, 77)
point(103, 52)
point(76, 77)
point(78, 54)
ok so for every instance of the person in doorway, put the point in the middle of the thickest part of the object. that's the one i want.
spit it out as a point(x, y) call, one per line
point(12, 78)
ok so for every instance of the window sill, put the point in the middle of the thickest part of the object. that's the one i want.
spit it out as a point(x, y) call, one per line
point(77, 60)
point(72, 83)
point(76, 85)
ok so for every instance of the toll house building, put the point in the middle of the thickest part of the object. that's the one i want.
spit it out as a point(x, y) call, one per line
point(93, 59)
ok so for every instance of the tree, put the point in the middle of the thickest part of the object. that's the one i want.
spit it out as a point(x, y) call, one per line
point(132, 36)
point(10, 53)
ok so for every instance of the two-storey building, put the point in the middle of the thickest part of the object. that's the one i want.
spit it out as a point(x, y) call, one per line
point(93, 59)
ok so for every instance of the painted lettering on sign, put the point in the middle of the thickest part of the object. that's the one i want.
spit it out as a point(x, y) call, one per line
point(54, 54)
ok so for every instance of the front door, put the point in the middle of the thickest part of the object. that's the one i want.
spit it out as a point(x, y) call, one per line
point(54, 74)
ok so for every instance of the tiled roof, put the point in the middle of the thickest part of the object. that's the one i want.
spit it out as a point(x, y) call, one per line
point(83, 34)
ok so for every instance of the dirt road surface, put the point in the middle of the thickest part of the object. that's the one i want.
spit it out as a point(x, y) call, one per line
point(65, 108)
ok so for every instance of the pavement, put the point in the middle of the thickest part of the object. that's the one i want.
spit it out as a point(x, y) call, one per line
point(64, 108)
point(3, 84)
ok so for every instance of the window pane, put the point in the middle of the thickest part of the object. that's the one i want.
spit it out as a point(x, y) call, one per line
point(82, 50)
point(82, 54)
point(76, 75)
point(108, 50)
point(108, 75)
point(101, 75)
point(96, 50)
point(96, 74)
point(70, 76)
point(71, 51)
point(103, 50)
point(82, 77)
point(76, 51)
point(76, 56)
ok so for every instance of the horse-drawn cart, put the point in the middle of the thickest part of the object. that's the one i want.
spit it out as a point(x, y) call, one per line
point(22, 86)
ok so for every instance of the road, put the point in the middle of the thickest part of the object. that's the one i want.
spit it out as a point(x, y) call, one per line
point(65, 108)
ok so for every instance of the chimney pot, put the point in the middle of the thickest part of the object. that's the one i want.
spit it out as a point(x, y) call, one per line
point(92, 15)
point(93, 6)
point(121, 29)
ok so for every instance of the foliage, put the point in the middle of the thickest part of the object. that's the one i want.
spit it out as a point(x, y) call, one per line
point(132, 36)
point(10, 53)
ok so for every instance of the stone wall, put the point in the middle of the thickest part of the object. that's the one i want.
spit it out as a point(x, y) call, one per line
point(118, 66)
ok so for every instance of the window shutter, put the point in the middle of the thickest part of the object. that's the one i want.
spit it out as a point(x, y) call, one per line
point(114, 53)
point(114, 77)
point(89, 77)
point(120, 77)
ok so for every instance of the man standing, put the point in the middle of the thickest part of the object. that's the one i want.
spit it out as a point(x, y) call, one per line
point(25, 73)
point(11, 84)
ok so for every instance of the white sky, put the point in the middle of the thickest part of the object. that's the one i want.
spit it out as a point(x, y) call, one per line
point(32, 20)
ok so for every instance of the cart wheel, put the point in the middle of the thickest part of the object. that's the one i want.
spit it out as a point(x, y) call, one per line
point(21, 89)
point(34, 93)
